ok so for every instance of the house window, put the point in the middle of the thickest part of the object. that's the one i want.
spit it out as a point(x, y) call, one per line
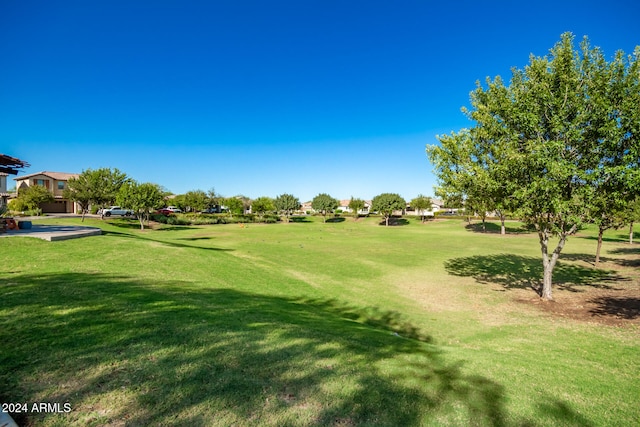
point(60, 185)
point(42, 183)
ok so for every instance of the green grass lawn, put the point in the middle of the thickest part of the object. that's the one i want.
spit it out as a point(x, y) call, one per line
point(302, 324)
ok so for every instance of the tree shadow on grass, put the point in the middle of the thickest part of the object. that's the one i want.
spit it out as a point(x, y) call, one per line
point(631, 250)
point(134, 224)
point(299, 219)
point(495, 228)
point(164, 242)
point(520, 272)
point(590, 258)
point(336, 219)
point(395, 222)
point(122, 351)
point(621, 307)
point(564, 414)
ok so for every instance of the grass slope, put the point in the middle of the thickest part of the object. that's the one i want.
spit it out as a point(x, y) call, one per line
point(303, 324)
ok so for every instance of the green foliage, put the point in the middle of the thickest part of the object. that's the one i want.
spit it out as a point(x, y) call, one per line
point(17, 205)
point(82, 190)
point(104, 185)
point(561, 135)
point(262, 205)
point(31, 197)
point(324, 204)
point(286, 204)
point(196, 201)
point(421, 204)
point(141, 198)
point(235, 205)
point(387, 203)
point(356, 205)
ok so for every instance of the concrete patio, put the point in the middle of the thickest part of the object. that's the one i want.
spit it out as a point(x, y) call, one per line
point(53, 233)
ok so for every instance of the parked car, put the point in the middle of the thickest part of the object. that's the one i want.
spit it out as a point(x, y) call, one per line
point(115, 210)
point(168, 210)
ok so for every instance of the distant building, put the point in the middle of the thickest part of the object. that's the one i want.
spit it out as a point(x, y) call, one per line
point(55, 182)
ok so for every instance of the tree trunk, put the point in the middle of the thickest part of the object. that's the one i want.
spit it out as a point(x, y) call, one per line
point(549, 263)
point(503, 230)
point(386, 220)
point(631, 233)
point(547, 275)
point(600, 233)
point(484, 226)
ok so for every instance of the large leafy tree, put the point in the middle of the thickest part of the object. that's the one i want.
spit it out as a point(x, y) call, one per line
point(386, 204)
point(196, 201)
point(262, 205)
point(106, 184)
point(324, 204)
point(141, 198)
point(421, 204)
point(95, 186)
point(234, 205)
point(556, 137)
point(286, 204)
point(470, 176)
point(356, 205)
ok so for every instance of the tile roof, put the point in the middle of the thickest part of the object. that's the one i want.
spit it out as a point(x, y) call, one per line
point(59, 176)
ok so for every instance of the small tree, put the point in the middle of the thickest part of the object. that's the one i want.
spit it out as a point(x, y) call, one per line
point(141, 198)
point(234, 206)
point(324, 204)
point(32, 197)
point(262, 205)
point(387, 203)
point(421, 204)
point(81, 191)
point(196, 201)
point(631, 215)
point(105, 184)
point(356, 205)
point(286, 204)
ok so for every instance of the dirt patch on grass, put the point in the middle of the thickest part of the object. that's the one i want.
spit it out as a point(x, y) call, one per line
point(616, 307)
point(615, 302)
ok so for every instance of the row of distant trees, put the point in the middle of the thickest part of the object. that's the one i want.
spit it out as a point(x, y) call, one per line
point(558, 146)
point(104, 187)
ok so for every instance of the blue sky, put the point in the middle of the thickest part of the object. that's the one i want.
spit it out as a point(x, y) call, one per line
point(262, 98)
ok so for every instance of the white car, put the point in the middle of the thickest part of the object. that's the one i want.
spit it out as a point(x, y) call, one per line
point(115, 210)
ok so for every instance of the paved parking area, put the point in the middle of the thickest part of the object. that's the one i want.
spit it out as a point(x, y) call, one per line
point(54, 233)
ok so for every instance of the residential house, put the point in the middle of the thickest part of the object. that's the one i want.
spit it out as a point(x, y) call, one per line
point(344, 207)
point(4, 196)
point(55, 182)
point(306, 207)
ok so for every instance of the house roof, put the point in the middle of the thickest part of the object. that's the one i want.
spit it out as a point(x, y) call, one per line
point(59, 176)
point(10, 165)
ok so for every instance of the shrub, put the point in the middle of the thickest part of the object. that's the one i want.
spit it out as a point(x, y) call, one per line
point(17, 205)
point(175, 220)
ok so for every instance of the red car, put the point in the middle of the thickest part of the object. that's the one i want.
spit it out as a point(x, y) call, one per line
point(168, 210)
